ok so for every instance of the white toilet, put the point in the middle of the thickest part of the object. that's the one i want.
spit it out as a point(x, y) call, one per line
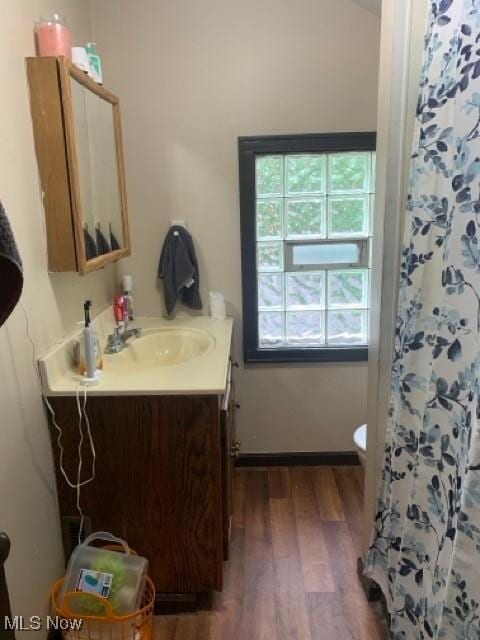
point(360, 440)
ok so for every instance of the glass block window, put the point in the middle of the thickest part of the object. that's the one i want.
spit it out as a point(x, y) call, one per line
point(313, 234)
point(306, 209)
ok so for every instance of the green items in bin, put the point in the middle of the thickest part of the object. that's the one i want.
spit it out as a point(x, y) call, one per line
point(97, 575)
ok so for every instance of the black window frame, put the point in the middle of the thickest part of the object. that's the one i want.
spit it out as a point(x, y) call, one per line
point(248, 148)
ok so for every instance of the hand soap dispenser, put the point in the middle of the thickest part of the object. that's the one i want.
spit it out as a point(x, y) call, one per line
point(94, 61)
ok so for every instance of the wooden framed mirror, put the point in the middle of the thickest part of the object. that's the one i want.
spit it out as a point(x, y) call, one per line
point(78, 139)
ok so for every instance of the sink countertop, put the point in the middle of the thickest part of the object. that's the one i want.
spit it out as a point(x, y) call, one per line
point(203, 375)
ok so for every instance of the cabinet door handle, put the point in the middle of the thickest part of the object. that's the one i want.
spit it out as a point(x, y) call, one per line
point(235, 364)
point(235, 448)
point(237, 405)
point(226, 398)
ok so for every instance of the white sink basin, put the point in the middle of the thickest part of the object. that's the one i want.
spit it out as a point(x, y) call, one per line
point(161, 348)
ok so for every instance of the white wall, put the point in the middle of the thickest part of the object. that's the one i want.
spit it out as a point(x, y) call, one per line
point(193, 76)
point(28, 508)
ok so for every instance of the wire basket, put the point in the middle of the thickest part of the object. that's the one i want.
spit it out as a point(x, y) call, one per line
point(134, 626)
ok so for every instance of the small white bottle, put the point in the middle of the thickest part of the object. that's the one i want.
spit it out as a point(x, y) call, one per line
point(127, 285)
point(217, 306)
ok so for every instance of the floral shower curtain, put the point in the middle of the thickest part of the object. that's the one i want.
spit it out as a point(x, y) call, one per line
point(425, 551)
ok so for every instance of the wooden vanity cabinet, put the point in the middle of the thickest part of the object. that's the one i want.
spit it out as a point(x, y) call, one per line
point(164, 481)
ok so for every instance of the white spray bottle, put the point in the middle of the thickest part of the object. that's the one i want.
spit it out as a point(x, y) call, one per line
point(127, 285)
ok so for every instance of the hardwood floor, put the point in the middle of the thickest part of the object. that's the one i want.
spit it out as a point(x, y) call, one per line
point(292, 571)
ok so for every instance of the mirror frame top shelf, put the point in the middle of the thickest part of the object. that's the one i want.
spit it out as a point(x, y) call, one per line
point(52, 112)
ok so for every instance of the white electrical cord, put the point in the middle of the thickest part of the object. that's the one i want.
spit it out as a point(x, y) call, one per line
point(82, 415)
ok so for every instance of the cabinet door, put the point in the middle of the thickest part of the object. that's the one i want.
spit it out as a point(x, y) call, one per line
point(78, 142)
point(227, 422)
point(157, 485)
point(234, 445)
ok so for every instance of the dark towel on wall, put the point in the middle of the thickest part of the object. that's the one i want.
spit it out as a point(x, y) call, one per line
point(90, 246)
point(178, 268)
point(11, 271)
point(114, 243)
point(102, 243)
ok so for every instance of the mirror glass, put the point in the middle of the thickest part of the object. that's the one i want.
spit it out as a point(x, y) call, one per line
point(98, 171)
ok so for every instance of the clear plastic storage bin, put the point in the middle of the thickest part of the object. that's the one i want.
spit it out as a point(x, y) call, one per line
point(97, 573)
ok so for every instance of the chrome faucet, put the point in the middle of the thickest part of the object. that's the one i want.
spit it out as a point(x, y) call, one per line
point(123, 311)
point(116, 341)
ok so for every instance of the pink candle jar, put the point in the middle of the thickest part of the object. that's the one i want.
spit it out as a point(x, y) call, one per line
point(53, 37)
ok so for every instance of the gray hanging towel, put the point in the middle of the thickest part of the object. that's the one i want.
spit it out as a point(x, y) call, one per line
point(114, 244)
point(11, 270)
point(90, 246)
point(102, 243)
point(178, 268)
